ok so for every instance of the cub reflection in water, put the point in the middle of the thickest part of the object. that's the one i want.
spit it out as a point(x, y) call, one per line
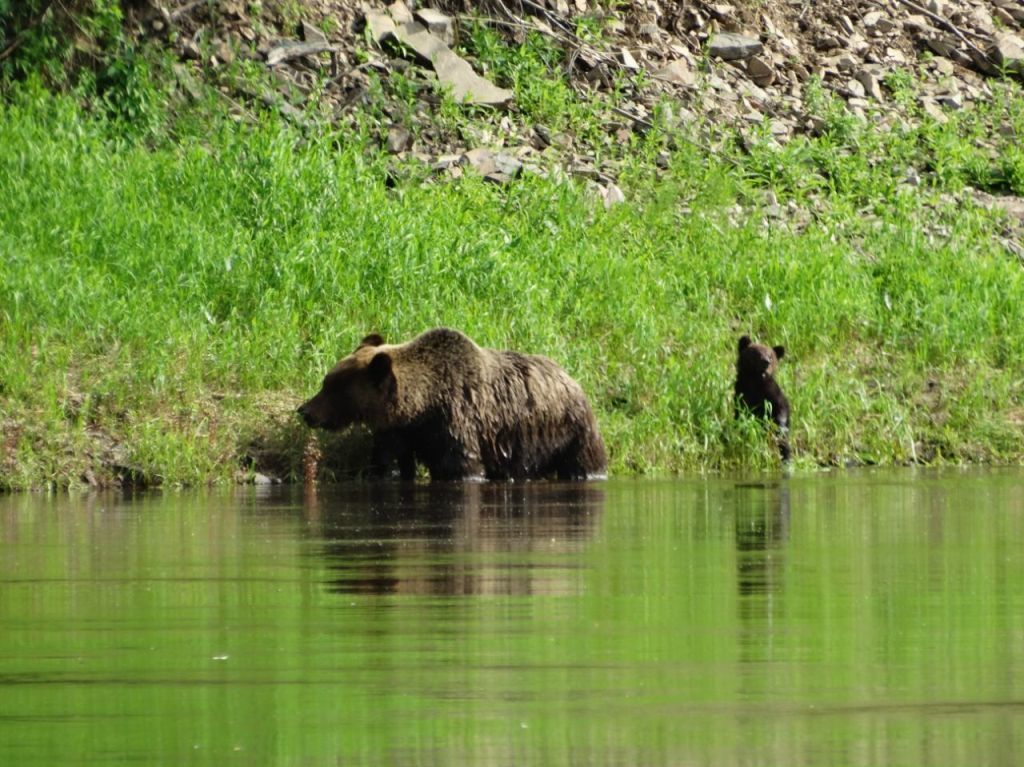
point(761, 535)
point(762, 529)
point(456, 538)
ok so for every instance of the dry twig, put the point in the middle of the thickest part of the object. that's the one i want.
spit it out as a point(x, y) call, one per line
point(945, 23)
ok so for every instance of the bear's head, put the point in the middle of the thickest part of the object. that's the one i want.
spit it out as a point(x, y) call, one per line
point(361, 388)
point(757, 361)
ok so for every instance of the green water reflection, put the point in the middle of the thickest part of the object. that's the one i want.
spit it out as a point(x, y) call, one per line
point(860, 619)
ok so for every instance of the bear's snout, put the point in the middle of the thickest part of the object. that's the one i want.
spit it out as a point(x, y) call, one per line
point(306, 414)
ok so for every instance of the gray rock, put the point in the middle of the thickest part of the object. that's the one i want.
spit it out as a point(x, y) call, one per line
point(439, 24)
point(917, 24)
point(1012, 206)
point(760, 71)
point(828, 43)
point(985, 62)
point(721, 11)
point(187, 81)
point(858, 106)
point(225, 52)
point(678, 72)
point(950, 100)
point(846, 64)
point(481, 160)
point(542, 136)
point(872, 89)
point(399, 139)
point(611, 195)
point(942, 45)
point(753, 92)
point(291, 49)
point(584, 170)
point(456, 73)
point(190, 51)
point(312, 34)
point(400, 12)
point(732, 47)
point(507, 165)
point(934, 111)
point(1003, 15)
point(814, 125)
point(871, 19)
point(981, 20)
point(380, 25)
point(446, 161)
point(895, 56)
point(649, 30)
point(1008, 52)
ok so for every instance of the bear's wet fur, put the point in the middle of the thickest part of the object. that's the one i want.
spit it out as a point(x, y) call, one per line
point(462, 411)
point(757, 390)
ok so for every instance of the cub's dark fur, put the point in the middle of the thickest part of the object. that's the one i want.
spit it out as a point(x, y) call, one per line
point(757, 390)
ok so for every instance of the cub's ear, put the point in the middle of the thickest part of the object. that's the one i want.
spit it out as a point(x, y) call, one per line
point(744, 342)
point(380, 367)
point(374, 339)
point(780, 352)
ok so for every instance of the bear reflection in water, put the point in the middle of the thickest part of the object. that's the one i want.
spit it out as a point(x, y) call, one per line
point(761, 533)
point(456, 538)
point(762, 524)
point(462, 411)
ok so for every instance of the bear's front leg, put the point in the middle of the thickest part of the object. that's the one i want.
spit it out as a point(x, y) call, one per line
point(454, 463)
point(390, 447)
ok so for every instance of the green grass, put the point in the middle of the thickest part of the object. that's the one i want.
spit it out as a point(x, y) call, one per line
point(165, 303)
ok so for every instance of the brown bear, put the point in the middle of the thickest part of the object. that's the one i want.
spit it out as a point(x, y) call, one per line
point(757, 390)
point(462, 411)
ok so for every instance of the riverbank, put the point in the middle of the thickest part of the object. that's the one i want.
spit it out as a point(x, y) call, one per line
point(173, 285)
point(165, 308)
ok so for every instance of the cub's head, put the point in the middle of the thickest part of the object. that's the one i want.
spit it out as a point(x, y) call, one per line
point(359, 389)
point(757, 361)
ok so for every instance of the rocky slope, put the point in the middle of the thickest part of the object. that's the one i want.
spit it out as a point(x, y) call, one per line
point(746, 65)
point(711, 69)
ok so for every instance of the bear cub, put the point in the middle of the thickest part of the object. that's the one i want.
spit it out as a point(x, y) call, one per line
point(460, 410)
point(757, 390)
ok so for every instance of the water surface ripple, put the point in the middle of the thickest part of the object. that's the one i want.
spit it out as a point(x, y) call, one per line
point(871, 618)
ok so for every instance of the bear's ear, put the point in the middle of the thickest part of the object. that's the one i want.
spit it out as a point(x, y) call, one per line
point(374, 339)
point(744, 342)
point(780, 352)
point(380, 367)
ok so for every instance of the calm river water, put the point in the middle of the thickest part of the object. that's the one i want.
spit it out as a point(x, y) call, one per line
point(848, 619)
